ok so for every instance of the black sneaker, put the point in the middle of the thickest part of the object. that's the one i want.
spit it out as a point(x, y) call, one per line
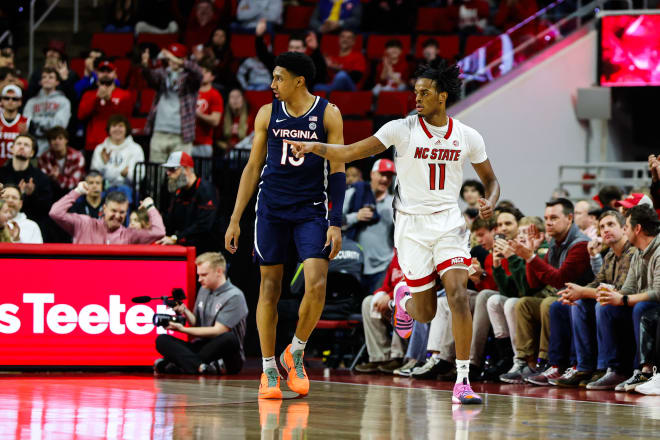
point(573, 379)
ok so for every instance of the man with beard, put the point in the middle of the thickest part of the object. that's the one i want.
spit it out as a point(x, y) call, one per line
point(96, 106)
point(192, 215)
point(109, 229)
point(34, 185)
point(29, 231)
point(12, 123)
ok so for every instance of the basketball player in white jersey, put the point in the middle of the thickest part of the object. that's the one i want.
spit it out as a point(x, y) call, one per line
point(430, 233)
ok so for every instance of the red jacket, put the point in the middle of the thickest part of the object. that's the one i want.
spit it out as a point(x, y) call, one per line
point(97, 111)
point(488, 282)
point(541, 273)
point(392, 277)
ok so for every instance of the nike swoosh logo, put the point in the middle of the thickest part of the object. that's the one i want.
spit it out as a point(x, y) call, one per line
point(317, 203)
point(280, 120)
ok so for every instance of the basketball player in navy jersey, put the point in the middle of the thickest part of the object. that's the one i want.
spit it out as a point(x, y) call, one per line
point(292, 203)
point(430, 234)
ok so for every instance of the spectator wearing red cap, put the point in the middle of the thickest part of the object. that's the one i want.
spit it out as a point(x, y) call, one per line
point(12, 123)
point(209, 112)
point(368, 217)
point(191, 219)
point(633, 200)
point(96, 106)
point(173, 112)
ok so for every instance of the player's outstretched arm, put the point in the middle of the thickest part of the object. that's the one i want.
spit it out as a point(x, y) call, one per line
point(334, 124)
point(492, 186)
point(249, 177)
point(339, 153)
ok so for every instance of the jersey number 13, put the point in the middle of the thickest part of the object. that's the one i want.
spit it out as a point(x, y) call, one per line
point(296, 162)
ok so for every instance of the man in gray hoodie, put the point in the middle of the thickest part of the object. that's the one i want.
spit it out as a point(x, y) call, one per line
point(50, 108)
point(641, 291)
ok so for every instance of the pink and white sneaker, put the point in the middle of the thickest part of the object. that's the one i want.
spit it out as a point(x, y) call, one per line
point(464, 395)
point(403, 323)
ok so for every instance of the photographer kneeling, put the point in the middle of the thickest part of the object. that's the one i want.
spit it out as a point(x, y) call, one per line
point(217, 325)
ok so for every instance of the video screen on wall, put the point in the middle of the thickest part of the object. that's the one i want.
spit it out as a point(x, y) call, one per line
point(629, 50)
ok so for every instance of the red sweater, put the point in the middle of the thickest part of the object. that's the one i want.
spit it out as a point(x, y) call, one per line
point(541, 273)
point(392, 277)
point(98, 111)
point(489, 282)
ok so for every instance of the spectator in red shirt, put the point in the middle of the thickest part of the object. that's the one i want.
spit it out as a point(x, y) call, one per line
point(98, 105)
point(64, 165)
point(209, 112)
point(512, 12)
point(393, 71)
point(236, 123)
point(12, 123)
point(201, 23)
point(349, 66)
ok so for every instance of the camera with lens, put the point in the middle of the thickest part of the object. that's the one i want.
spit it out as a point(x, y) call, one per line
point(175, 299)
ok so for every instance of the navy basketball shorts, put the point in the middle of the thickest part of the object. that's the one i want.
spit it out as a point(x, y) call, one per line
point(273, 233)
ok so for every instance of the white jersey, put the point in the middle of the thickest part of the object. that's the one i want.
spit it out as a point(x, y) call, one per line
point(429, 162)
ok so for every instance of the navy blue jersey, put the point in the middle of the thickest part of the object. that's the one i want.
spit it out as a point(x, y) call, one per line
point(285, 180)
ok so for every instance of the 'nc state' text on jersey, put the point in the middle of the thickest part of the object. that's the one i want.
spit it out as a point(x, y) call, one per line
point(295, 134)
point(437, 154)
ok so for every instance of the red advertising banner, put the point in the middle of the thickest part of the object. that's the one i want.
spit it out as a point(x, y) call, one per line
point(70, 305)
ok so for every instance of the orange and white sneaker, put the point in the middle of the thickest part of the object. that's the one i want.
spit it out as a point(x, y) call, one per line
point(296, 377)
point(269, 414)
point(270, 384)
point(297, 416)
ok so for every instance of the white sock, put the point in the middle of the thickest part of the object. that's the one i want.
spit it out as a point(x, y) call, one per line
point(462, 371)
point(403, 302)
point(269, 362)
point(297, 344)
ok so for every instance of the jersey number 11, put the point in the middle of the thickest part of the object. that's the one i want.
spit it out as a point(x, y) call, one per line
point(437, 178)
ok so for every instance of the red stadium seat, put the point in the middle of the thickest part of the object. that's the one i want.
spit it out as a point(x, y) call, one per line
point(242, 45)
point(448, 45)
point(78, 66)
point(161, 40)
point(353, 103)
point(281, 43)
point(146, 100)
point(474, 42)
point(137, 125)
point(437, 19)
point(123, 66)
point(330, 44)
point(256, 99)
point(320, 93)
point(376, 45)
point(395, 103)
point(297, 17)
point(357, 130)
point(113, 44)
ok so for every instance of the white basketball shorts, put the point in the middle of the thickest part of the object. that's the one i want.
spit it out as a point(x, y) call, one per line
point(428, 245)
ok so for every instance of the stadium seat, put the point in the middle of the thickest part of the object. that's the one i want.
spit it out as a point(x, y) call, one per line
point(146, 99)
point(474, 42)
point(281, 43)
point(113, 44)
point(137, 125)
point(321, 93)
point(78, 66)
point(330, 44)
point(256, 99)
point(448, 45)
point(242, 45)
point(161, 40)
point(353, 103)
point(297, 17)
point(394, 103)
point(376, 45)
point(357, 130)
point(437, 19)
point(123, 66)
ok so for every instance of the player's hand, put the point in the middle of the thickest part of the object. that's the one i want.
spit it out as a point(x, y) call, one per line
point(334, 238)
point(299, 149)
point(231, 237)
point(485, 209)
point(82, 188)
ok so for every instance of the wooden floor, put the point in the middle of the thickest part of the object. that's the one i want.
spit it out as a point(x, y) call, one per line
point(340, 406)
